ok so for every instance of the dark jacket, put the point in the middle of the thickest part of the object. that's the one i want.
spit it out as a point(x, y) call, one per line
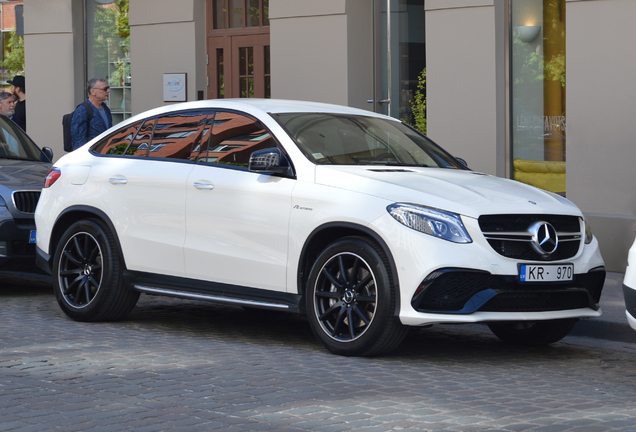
point(79, 124)
point(19, 117)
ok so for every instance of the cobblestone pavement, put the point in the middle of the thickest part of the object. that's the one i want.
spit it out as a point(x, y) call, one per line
point(183, 365)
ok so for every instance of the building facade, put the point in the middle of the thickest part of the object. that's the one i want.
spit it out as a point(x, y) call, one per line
point(493, 72)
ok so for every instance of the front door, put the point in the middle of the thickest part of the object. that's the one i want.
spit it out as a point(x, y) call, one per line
point(238, 66)
point(238, 49)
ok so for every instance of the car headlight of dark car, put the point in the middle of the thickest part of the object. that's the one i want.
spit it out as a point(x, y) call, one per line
point(438, 223)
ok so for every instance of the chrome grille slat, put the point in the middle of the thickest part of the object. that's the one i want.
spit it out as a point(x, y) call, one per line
point(26, 201)
point(508, 235)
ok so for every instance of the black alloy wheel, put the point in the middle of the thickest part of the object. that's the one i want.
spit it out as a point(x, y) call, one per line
point(350, 300)
point(88, 269)
point(80, 270)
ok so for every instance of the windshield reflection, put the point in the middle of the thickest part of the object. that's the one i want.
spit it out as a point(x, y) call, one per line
point(358, 140)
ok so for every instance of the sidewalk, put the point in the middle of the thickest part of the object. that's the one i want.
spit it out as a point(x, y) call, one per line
point(612, 325)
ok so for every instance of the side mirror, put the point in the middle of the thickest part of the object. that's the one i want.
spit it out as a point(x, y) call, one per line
point(46, 151)
point(462, 161)
point(271, 160)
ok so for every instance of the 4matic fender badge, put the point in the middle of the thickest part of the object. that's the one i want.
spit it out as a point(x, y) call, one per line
point(297, 207)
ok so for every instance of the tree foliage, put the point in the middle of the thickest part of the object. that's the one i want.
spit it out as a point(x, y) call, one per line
point(14, 58)
point(418, 104)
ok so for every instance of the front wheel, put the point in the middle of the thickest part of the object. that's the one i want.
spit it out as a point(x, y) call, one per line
point(87, 273)
point(350, 300)
point(532, 333)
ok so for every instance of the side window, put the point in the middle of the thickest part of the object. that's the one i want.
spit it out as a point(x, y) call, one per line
point(235, 137)
point(179, 135)
point(141, 143)
point(118, 142)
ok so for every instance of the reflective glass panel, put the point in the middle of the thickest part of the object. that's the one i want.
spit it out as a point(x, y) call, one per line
point(235, 137)
point(253, 13)
point(178, 136)
point(236, 13)
point(218, 10)
point(118, 142)
point(538, 120)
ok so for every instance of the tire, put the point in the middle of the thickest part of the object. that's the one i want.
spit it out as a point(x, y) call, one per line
point(532, 333)
point(87, 274)
point(353, 316)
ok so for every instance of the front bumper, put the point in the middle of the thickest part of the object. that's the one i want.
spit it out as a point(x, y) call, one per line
point(15, 241)
point(465, 291)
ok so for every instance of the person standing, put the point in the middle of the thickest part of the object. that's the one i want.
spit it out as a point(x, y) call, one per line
point(7, 104)
point(84, 129)
point(18, 90)
point(8, 144)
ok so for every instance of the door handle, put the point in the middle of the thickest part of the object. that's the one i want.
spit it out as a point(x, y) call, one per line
point(203, 186)
point(117, 181)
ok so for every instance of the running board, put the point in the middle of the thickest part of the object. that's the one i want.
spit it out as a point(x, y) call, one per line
point(209, 297)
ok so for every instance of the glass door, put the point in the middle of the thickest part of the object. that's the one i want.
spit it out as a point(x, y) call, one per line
point(400, 59)
point(538, 125)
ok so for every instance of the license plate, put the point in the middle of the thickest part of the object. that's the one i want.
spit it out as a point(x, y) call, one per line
point(546, 273)
point(32, 236)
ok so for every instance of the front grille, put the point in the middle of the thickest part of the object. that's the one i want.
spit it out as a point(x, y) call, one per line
point(466, 291)
point(509, 236)
point(26, 201)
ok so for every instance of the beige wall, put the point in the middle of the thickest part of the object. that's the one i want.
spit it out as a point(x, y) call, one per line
point(166, 36)
point(322, 51)
point(52, 67)
point(466, 114)
point(601, 126)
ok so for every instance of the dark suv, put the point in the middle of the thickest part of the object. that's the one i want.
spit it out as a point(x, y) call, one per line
point(23, 167)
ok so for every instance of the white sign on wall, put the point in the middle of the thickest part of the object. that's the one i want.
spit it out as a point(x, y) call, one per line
point(174, 87)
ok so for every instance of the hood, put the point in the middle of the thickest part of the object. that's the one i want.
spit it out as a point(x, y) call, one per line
point(468, 193)
point(21, 174)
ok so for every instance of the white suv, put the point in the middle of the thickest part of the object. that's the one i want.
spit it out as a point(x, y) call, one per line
point(350, 217)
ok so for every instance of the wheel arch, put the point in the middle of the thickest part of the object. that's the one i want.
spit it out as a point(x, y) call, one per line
point(324, 235)
point(73, 214)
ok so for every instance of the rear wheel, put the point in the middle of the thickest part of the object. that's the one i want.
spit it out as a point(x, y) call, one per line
point(87, 273)
point(532, 333)
point(350, 300)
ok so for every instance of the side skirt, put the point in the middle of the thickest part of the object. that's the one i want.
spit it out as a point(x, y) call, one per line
point(211, 291)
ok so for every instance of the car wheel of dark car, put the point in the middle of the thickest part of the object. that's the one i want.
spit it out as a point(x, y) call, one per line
point(532, 333)
point(88, 274)
point(350, 300)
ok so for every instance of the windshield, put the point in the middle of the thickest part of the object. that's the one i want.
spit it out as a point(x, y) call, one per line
point(15, 144)
point(341, 139)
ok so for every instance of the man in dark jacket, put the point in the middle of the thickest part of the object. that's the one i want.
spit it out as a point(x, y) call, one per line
point(81, 130)
point(18, 90)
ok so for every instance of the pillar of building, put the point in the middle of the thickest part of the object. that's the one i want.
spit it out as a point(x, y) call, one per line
point(166, 36)
point(53, 54)
point(322, 51)
point(466, 82)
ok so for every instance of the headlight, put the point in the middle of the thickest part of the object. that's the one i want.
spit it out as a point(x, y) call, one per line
point(441, 224)
point(588, 232)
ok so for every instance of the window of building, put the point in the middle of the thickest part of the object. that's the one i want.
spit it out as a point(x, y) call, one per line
point(538, 125)
point(240, 13)
point(108, 51)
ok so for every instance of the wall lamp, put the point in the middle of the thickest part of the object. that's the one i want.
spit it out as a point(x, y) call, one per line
point(528, 33)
